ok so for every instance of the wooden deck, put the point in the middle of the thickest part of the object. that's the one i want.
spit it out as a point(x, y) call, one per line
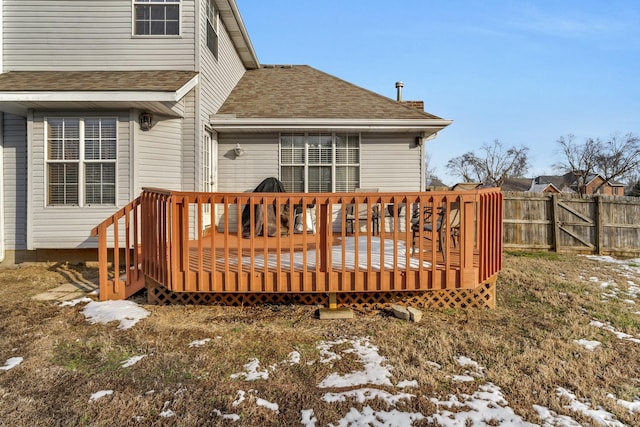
point(402, 256)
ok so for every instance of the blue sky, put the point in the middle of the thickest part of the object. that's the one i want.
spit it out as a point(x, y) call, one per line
point(523, 72)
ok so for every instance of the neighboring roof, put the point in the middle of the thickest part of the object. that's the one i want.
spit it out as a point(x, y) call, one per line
point(157, 91)
point(591, 177)
point(305, 92)
point(55, 81)
point(467, 186)
point(542, 188)
point(517, 184)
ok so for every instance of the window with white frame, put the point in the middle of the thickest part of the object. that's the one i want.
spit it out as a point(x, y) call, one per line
point(81, 161)
point(212, 28)
point(320, 162)
point(156, 17)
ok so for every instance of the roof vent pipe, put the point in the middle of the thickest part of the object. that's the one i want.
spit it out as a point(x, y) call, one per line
point(399, 86)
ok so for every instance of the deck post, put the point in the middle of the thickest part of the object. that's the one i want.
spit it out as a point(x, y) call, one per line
point(468, 276)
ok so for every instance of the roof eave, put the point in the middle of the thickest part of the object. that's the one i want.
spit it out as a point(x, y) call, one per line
point(232, 19)
point(230, 124)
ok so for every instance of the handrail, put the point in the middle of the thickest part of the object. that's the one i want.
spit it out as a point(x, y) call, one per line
point(313, 253)
point(112, 283)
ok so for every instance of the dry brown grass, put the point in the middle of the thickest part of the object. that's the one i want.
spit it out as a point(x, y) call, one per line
point(526, 346)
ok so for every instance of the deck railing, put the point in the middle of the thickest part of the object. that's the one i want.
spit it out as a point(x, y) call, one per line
point(306, 243)
point(119, 263)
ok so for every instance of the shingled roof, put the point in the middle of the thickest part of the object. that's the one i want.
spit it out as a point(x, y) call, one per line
point(63, 81)
point(301, 91)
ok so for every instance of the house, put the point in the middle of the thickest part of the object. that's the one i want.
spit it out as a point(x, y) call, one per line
point(529, 185)
point(101, 99)
point(568, 183)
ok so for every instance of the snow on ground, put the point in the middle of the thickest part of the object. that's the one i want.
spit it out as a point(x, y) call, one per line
point(11, 363)
point(589, 345)
point(375, 381)
point(251, 372)
point(599, 415)
point(618, 334)
point(633, 407)
point(100, 394)
point(132, 360)
point(128, 313)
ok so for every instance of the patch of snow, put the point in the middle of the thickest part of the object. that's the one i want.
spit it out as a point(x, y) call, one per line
point(308, 418)
point(589, 345)
point(11, 363)
point(486, 406)
point(374, 372)
point(463, 378)
point(251, 372)
point(408, 384)
point(434, 364)
point(599, 415)
point(74, 302)
point(132, 360)
point(239, 399)
point(464, 361)
point(199, 343)
point(166, 412)
point(369, 417)
point(618, 334)
point(364, 394)
point(269, 405)
point(128, 313)
point(100, 394)
point(293, 358)
point(551, 418)
point(232, 417)
point(633, 407)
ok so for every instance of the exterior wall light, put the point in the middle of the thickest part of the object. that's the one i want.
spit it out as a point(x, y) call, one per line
point(238, 151)
point(146, 120)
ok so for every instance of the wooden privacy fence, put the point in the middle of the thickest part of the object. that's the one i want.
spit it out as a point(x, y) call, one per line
point(300, 243)
point(572, 223)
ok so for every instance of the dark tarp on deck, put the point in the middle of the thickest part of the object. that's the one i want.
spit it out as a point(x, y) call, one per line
point(268, 185)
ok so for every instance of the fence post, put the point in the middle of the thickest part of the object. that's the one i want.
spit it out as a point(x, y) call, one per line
point(599, 223)
point(555, 220)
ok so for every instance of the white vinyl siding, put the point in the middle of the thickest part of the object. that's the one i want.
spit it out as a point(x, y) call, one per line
point(260, 161)
point(390, 162)
point(218, 77)
point(70, 226)
point(14, 181)
point(56, 35)
point(159, 155)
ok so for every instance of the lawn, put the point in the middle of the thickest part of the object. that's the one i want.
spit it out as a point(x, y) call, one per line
point(562, 348)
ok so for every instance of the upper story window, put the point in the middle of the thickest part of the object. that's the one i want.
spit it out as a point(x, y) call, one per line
point(212, 28)
point(157, 17)
point(81, 161)
point(320, 162)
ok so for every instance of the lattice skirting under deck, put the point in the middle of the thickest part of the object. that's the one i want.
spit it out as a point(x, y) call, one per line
point(483, 296)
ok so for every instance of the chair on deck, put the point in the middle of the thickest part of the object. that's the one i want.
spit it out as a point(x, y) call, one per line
point(427, 225)
point(352, 217)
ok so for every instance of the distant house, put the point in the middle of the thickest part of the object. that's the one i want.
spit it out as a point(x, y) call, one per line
point(101, 99)
point(567, 183)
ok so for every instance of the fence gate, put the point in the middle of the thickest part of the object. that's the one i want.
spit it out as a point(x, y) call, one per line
point(575, 224)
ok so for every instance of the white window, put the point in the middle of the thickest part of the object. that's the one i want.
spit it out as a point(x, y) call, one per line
point(81, 161)
point(320, 162)
point(212, 28)
point(156, 17)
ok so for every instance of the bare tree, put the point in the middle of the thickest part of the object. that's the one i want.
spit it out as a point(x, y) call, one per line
point(493, 166)
point(616, 158)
